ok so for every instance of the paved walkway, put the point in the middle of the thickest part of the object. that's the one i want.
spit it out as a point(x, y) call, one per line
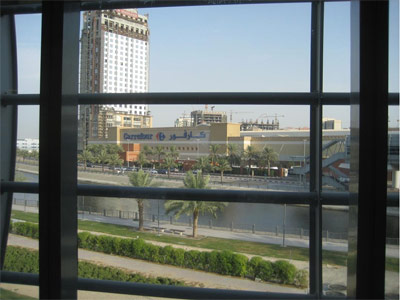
point(196, 278)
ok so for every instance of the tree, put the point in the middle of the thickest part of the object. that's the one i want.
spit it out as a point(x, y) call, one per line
point(159, 151)
point(195, 208)
point(222, 166)
point(252, 155)
point(202, 164)
point(148, 152)
point(102, 158)
point(214, 154)
point(233, 155)
point(140, 179)
point(268, 155)
point(169, 162)
point(173, 152)
point(85, 157)
point(114, 160)
point(142, 160)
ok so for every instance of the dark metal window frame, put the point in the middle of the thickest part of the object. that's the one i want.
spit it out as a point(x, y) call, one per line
point(58, 102)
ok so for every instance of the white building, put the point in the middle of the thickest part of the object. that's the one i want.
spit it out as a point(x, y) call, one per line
point(114, 59)
point(28, 144)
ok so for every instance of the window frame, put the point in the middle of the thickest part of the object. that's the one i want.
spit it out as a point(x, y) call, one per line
point(315, 198)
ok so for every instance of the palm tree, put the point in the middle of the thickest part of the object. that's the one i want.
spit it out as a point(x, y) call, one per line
point(252, 155)
point(148, 152)
point(140, 179)
point(233, 154)
point(214, 154)
point(173, 152)
point(114, 160)
point(202, 164)
point(85, 157)
point(267, 156)
point(142, 160)
point(169, 162)
point(159, 151)
point(194, 207)
point(222, 166)
point(102, 158)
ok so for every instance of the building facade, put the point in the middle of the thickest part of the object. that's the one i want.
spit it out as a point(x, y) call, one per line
point(207, 117)
point(115, 54)
point(28, 144)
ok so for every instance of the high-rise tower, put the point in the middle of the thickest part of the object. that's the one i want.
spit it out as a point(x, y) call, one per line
point(114, 59)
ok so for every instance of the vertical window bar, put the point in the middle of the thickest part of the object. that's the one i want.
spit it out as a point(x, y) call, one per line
point(317, 29)
point(9, 80)
point(58, 251)
point(368, 160)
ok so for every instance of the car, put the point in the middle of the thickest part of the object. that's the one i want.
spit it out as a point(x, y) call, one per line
point(153, 172)
point(130, 169)
point(175, 170)
point(162, 171)
point(89, 165)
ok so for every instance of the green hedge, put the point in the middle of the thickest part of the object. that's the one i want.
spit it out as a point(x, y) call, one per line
point(27, 261)
point(220, 262)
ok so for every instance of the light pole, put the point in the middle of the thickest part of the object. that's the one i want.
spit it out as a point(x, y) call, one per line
point(197, 148)
point(158, 216)
point(284, 225)
point(127, 155)
point(304, 160)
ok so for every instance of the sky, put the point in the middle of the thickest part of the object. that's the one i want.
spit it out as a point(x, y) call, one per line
point(241, 48)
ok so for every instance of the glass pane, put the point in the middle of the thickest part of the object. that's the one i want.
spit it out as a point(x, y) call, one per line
point(334, 250)
point(336, 148)
point(18, 291)
point(169, 250)
point(263, 152)
point(222, 54)
point(337, 47)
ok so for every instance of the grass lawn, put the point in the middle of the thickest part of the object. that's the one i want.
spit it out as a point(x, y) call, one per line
point(296, 253)
point(7, 294)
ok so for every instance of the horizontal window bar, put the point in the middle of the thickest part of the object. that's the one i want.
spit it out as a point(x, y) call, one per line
point(108, 286)
point(327, 198)
point(32, 7)
point(201, 98)
point(173, 193)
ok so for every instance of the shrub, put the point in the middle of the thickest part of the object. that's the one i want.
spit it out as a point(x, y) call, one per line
point(192, 259)
point(253, 267)
point(284, 271)
point(26, 229)
point(301, 279)
point(265, 271)
point(239, 265)
point(82, 239)
point(178, 257)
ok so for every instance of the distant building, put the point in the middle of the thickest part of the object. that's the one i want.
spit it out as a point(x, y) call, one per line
point(114, 59)
point(199, 117)
point(108, 117)
point(328, 123)
point(28, 144)
point(184, 121)
point(256, 126)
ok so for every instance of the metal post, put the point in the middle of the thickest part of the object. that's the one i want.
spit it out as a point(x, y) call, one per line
point(158, 215)
point(58, 144)
point(232, 226)
point(210, 223)
point(316, 82)
point(284, 226)
point(104, 213)
point(8, 119)
point(253, 229)
point(369, 120)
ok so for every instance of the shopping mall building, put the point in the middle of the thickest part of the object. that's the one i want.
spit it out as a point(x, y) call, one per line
point(194, 142)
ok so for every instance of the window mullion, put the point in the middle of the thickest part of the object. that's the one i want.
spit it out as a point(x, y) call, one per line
point(8, 122)
point(58, 143)
point(316, 72)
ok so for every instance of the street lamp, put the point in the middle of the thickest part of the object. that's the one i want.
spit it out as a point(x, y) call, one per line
point(284, 225)
point(197, 148)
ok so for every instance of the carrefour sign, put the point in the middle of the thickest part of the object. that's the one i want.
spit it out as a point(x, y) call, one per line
point(140, 136)
point(161, 136)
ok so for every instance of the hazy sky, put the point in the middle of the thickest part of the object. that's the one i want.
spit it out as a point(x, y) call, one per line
point(242, 48)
